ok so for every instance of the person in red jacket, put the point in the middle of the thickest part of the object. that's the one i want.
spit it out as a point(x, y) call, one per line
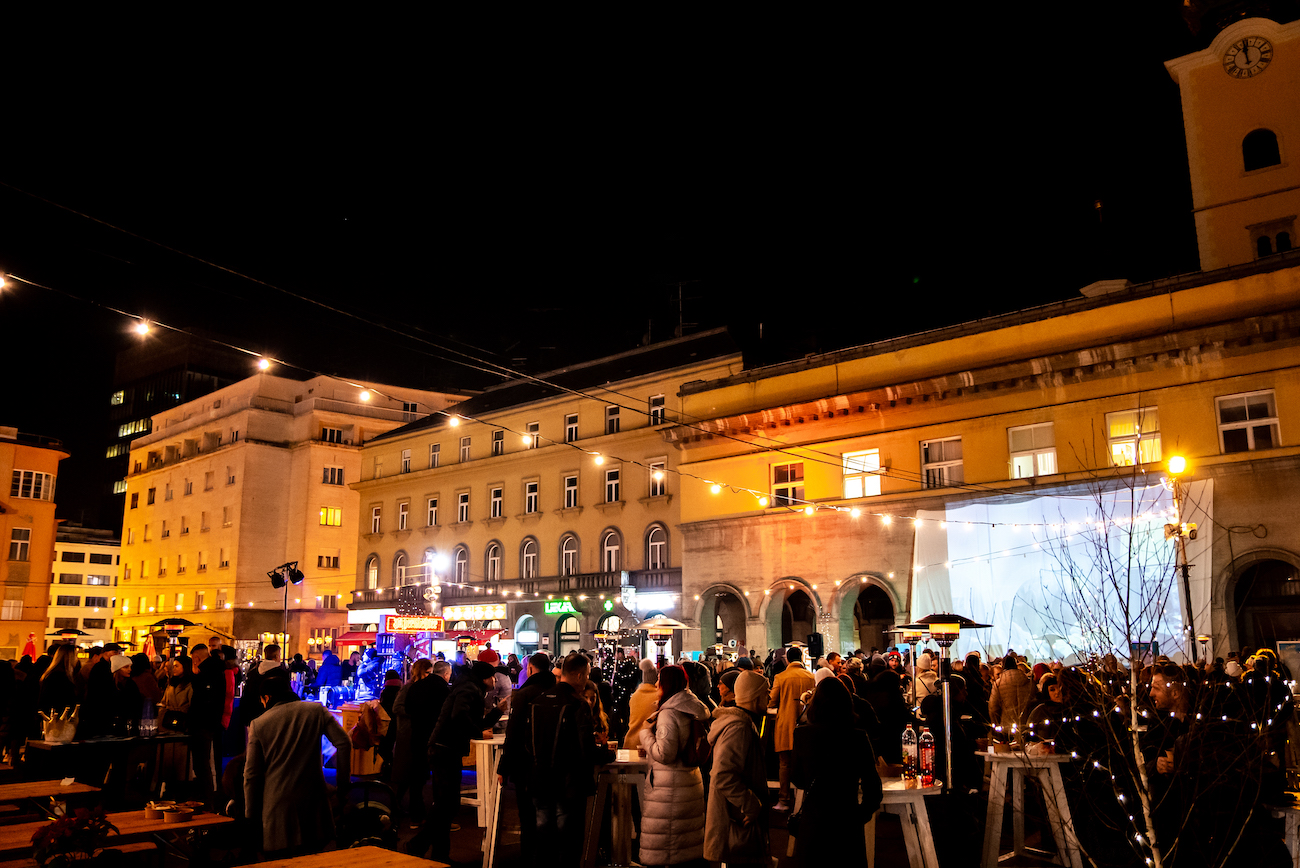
point(487, 655)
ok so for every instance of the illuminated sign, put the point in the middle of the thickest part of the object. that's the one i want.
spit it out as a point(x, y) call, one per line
point(489, 612)
point(609, 605)
point(559, 607)
point(412, 624)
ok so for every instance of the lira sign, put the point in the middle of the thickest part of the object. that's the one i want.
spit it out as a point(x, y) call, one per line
point(412, 624)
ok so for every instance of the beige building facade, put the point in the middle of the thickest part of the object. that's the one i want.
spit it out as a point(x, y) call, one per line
point(248, 478)
point(552, 501)
point(83, 583)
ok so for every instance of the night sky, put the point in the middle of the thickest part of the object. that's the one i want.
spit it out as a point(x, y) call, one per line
point(535, 193)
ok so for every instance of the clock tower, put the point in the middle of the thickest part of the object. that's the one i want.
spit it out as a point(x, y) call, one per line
point(1240, 98)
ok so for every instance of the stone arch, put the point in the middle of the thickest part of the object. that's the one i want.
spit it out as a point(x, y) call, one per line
point(845, 600)
point(735, 616)
point(775, 597)
point(1228, 595)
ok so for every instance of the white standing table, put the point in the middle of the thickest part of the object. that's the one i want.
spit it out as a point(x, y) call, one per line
point(909, 805)
point(1046, 769)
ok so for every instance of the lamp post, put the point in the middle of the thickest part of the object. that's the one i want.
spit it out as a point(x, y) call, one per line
point(944, 629)
point(1183, 531)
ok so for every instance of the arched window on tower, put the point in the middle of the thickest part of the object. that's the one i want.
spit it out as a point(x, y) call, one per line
point(1259, 150)
point(1263, 246)
point(1283, 242)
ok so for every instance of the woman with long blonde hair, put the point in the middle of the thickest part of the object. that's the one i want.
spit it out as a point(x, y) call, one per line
point(61, 685)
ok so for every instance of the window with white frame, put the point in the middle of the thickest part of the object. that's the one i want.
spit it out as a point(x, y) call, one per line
point(199, 597)
point(462, 564)
point(861, 473)
point(1032, 449)
point(435, 452)
point(498, 502)
point(533, 431)
point(531, 497)
point(570, 491)
point(399, 569)
point(328, 560)
point(32, 484)
point(611, 550)
point(462, 506)
point(611, 419)
point(331, 435)
point(570, 427)
point(406, 461)
point(372, 572)
point(409, 411)
point(13, 605)
point(493, 562)
point(787, 484)
point(941, 463)
point(658, 477)
point(464, 448)
point(376, 512)
point(1133, 436)
point(189, 487)
point(656, 549)
point(222, 600)
point(332, 476)
point(612, 485)
point(20, 541)
point(403, 515)
point(1248, 422)
point(498, 442)
point(432, 504)
point(657, 405)
point(528, 559)
point(569, 556)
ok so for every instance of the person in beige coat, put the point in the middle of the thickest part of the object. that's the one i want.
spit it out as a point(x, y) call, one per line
point(735, 826)
point(793, 682)
point(1007, 700)
point(642, 703)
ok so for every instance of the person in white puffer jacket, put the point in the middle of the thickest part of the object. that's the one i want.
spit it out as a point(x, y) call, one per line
point(672, 818)
point(927, 679)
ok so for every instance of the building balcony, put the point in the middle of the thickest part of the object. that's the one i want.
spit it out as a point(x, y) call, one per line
point(611, 583)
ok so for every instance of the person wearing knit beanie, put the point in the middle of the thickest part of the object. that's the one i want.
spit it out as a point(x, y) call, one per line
point(751, 692)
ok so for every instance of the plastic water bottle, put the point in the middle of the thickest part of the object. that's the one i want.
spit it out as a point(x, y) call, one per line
point(910, 768)
point(927, 758)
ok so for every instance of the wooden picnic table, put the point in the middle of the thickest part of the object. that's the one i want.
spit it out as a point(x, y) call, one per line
point(41, 789)
point(131, 825)
point(370, 857)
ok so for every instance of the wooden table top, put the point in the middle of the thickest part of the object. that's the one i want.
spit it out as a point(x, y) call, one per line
point(130, 824)
point(165, 737)
point(370, 857)
point(40, 789)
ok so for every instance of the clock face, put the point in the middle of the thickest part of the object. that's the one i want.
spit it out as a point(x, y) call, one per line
point(1248, 57)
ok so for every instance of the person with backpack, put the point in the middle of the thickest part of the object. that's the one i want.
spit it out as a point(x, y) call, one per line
point(735, 829)
point(564, 754)
point(672, 818)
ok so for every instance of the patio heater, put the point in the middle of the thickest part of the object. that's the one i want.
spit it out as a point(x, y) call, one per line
point(944, 629)
point(173, 627)
point(68, 635)
point(660, 629)
point(603, 637)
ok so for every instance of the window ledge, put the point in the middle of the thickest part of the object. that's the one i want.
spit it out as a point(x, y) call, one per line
point(496, 521)
point(430, 529)
point(569, 512)
point(529, 516)
point(614, 506)
point(400, 535)
point(461, 525)
point(372, 537)
point(656, 500)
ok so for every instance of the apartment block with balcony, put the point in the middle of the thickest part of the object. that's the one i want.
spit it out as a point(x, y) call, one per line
point(83, 583)
point(230, 486)
point(554, 497)
point(29, 464)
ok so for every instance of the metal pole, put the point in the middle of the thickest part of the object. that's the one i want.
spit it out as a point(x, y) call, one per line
point(913, 675)
point(947, 721)
point(1185, 568)
point(284, 624)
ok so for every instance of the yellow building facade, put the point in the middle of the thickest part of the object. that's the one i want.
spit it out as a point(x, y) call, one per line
point(231, 486)
point(550, 504)
point(30, 466)
point(83, 583)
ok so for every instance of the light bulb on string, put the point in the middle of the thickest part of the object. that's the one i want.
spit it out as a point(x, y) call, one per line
point(142, 328)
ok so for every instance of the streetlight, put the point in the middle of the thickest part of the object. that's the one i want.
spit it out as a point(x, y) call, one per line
point(1183, 531)
point(944, 629)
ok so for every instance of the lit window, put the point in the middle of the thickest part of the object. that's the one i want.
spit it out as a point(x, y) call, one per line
point(372, 572)
point(1134, 436)
point(331, 516)
point(1247, 422)
point(1032, 449)
point(941, 463)
point(787, 484)
point(570, 427)
point(532, 430)
point(861, 473)
point(658, 477)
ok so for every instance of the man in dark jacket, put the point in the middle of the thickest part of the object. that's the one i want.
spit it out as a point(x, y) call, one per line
point(516, 758)
point(206, 709)
point(461, 720)
point(416, 711)
point(564, 754)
